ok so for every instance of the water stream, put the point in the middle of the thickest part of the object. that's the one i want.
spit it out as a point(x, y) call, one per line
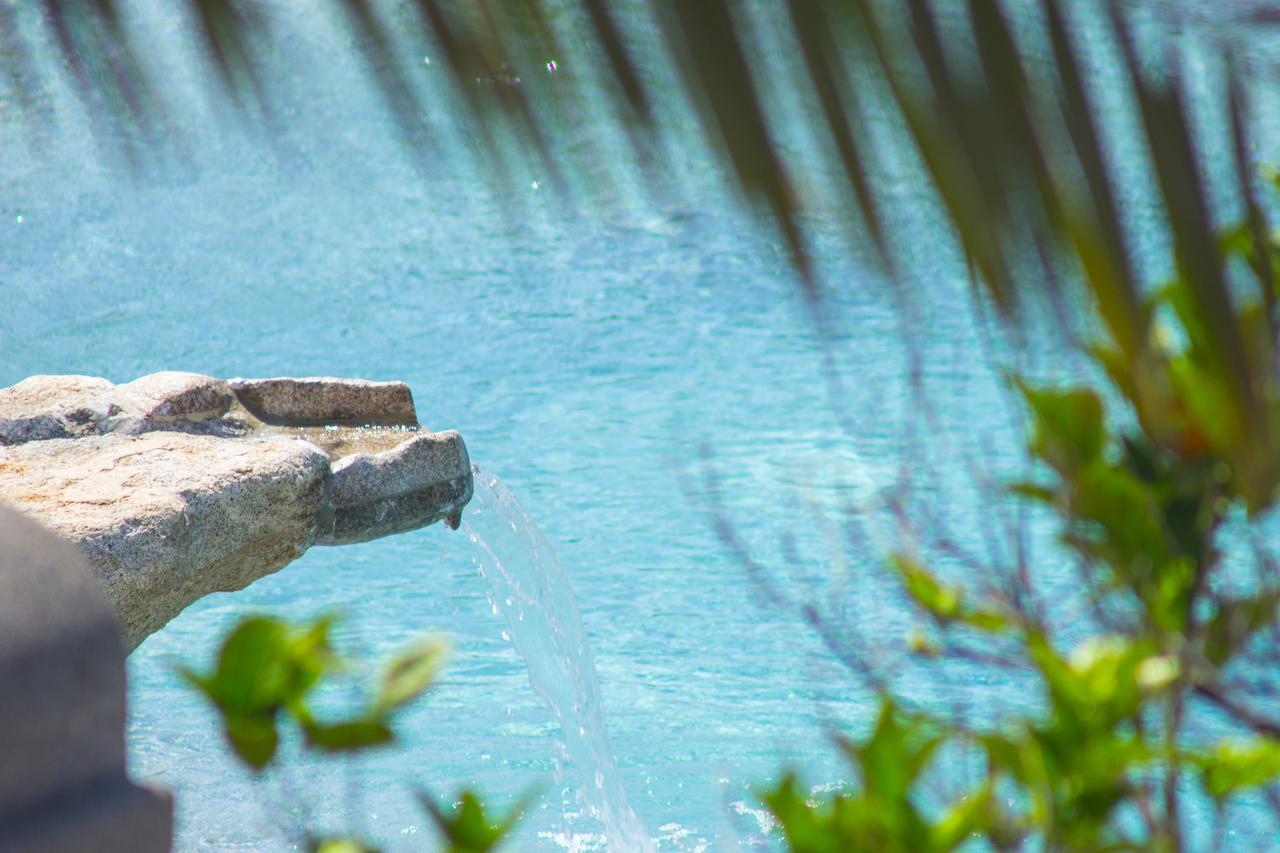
point(528, 586)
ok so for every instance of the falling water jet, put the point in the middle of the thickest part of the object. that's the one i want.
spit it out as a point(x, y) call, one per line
point(529, 587)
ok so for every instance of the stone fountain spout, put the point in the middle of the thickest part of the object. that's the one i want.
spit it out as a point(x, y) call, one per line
point(177, 485)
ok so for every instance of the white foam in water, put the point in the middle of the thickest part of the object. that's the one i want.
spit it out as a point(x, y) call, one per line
point(528, 586)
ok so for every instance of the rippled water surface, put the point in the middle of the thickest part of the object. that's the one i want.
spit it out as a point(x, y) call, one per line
point(609, 365)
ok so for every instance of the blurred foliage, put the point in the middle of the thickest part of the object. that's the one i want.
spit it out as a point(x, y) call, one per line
point(466, 827)
point(1142, 503)
point(1015, 151)
point(265, 672)
point(1143, 477)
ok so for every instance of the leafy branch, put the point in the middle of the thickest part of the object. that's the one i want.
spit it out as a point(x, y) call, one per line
point(266, 671)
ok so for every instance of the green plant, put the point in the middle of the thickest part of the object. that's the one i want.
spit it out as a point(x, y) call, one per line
point(265, 673)
point(469, 829)
point(1143, 500)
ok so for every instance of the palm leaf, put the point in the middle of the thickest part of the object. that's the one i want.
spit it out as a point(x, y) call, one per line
point(1010, 142)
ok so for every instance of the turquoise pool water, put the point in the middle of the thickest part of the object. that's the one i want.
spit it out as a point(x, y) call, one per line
point(605, 365)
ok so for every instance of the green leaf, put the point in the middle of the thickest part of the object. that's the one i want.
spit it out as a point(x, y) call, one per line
point(1069, 429)
point(941, 600)
point(1106, 667)
point(1104, 681)
point(253, 667)
point(347, 736)
point(990, 621)
point(963, 818)
point(466, 827)
point(311, 657)
point(1168, 601)
point(264, 666)
point(898, 750)
point(1207, 407)
point(1129, 534)
point(1236, 765)
point(410, 673)
point(944, 602)
point(254, 738)
point(1033, 491)
point(264, 663)
point(807, 830)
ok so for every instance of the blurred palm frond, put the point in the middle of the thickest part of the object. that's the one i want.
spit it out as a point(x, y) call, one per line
point(1002, 114)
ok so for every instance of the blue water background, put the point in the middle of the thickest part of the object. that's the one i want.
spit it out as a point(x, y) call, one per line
point(605, 362)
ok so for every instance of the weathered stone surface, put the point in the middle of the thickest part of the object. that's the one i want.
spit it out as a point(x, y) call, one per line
point(174, 396)
point(411, 466)
point(320, 400)
point(174, 489)
point(166, 518)
point(375, 495)
point(62, 707)
point(42, 407)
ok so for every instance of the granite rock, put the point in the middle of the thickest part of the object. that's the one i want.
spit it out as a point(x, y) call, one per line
point(379, 494)
point(171, 396)
point(43, 407)
point(166, 518)
point(323, 400)
point(174, 487)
